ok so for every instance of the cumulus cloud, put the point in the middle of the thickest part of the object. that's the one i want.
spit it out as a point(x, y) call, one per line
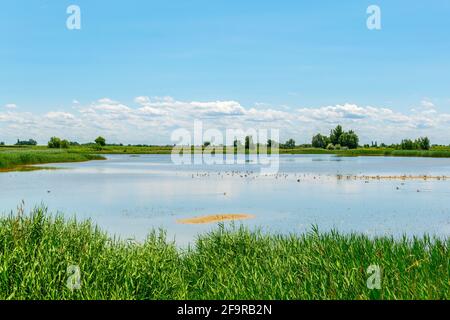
point(10, 106)
point(427, 104)
point(152, 120)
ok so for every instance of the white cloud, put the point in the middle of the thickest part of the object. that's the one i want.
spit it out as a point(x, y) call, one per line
point(151, 120)
point(427, 104)
point(10, 106)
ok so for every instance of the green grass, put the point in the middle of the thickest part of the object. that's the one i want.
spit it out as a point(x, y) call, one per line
point(17, 158)
point(36, 249)
point(434, 152)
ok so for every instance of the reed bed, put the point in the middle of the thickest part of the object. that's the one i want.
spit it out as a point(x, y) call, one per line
point(24, 157)
point(36, 250)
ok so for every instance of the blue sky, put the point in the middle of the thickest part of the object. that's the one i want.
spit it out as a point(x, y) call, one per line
point(277, 55)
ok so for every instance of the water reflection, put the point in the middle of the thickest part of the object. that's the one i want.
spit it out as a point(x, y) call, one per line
point(129, 196)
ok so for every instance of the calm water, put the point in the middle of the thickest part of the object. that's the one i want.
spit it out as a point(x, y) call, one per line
point(129, 196)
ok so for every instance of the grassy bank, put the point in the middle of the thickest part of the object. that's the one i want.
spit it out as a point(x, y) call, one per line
point(36, 250)
point(435, 152)
point(16, 158)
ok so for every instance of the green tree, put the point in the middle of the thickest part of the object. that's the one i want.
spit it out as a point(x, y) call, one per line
point(100, 141)
point(320, 141)
point(349, 139)
point(65, 144)
point(336, 134)
point(29, 142)
point(237, 143)
point(54, 142)
point(407, 144)
point(423, 143)
point(290, 144)
point(249, 143)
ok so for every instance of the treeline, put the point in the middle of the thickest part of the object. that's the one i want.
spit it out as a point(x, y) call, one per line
point(249, 144)
point(418, 144)
point(337, 139)
point(58, 143)
point(29, 142)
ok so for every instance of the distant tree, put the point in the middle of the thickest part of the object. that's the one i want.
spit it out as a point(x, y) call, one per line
point(2, 143)
point(290, 144)
point(249, 143)
point(29, 142)
point(206, 144)
point(349, 140)
point(407, 144)
point(423, 143)
point(100, 141)
point(74, 143)
point(330, 146)
point(336, 134)
point(54, 143)
point(64, 144)
point(320, 141)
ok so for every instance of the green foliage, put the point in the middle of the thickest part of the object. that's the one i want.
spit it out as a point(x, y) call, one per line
point(335, 134)
point(65, 144)
point(100, 141)
point(29, 142)
point(349, 140)
point(338, 137)
point(407, 144)
point(320, 141)
point(249, 143)
point(36, 249)
point(13, 159)
point(54, 143)
point(290, 144)
point(422, 143)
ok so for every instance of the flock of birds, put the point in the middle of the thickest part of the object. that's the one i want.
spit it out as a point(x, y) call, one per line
point(299, 177)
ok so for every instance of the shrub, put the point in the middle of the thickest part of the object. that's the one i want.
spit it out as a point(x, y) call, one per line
point(65, 144)
point(100, 141)
point(320, 141)
point(54, 143)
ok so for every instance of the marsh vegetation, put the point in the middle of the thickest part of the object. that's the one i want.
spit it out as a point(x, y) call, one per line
point(228, 263)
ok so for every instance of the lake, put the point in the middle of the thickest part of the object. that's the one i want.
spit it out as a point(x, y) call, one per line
point(130, 195)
